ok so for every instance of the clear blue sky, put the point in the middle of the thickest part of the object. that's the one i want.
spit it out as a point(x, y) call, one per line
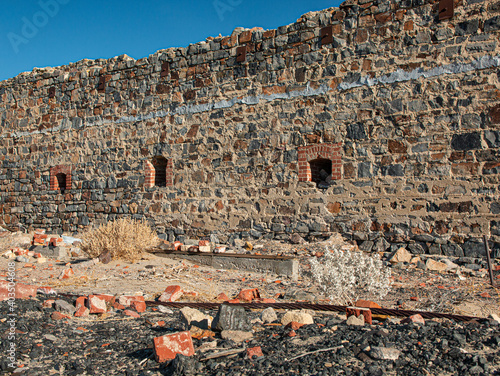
point(40, 33)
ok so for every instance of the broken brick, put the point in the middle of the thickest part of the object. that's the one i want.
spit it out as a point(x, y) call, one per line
point(117, 305)
point(171, 294)
point(249, 294)
point(96, 304)
point(81, 302)
point(59, 316)
point(49, 303)
point(168, 346)
point(417, 319)
point(66, 273)
point(82, 311)
point(359, 311)
point(135, 302)
point(294, 325)
point(254, 351)
point(130, 313)
point(223, 297)
point(366, 304)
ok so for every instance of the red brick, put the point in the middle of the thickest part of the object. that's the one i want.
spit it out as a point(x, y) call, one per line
point(177, 246)
point(117, 305)
point(254, 351)
point(171, 294)
point(59, 316)
point(167, 347)
point(294, 325)
point(110, 299)
point(82, 311)
point(366, 304)
point(136, 302)
point(249, 294)
point(81, 302)
point(66, 273)
point(414, 318)
point(222, 297)
point(130, 313)
point(49, 303)
point(138, 305)
point(22, 291)
point(96, 304)
point(358, 311)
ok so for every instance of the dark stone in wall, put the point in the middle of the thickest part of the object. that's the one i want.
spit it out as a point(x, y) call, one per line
point(356, 131)
point(467, 27)
point(452, 250)
point(466, 141)
point(474, 249)
point(492, 24)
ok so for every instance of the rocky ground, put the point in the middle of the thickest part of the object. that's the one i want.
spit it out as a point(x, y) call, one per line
point(117, 344)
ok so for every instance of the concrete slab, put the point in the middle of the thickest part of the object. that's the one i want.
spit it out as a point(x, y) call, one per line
point(280, 265)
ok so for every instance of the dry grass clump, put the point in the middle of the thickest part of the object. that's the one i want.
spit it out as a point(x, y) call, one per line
point(124, 239)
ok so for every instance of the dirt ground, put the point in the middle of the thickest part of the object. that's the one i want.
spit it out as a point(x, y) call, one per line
point(412, 288)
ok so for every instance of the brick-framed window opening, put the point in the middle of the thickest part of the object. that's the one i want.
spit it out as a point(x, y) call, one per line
point(158, 172)
point(60, 178)
point(318, 162)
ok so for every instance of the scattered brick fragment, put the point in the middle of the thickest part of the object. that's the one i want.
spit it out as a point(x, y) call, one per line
point(171, 294)
point(249, 294)
point(59, 316)
point(222, 297)
point(168, 346)
point(96, 304)
point(254, 351)
point(130, 313)
point(417, 319)
point(359, 311)
point(66, 273)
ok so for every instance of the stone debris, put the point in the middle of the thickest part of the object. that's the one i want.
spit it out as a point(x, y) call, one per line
point(356, 320)
point(384, 353)
point(401, 255)
point(302, 317)
point(237, 336)
point(231, 318)
point(191, 316)
point(268, 315)
point(436, 265)
point(359, 311)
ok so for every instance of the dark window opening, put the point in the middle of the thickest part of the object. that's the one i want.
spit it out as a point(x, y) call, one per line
point(61, 181)
point(321, 171)
point(160, 165)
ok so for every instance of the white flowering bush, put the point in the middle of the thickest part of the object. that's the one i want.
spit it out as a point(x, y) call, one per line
point(345, 276)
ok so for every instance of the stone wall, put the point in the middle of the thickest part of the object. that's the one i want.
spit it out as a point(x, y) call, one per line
point(236, 136)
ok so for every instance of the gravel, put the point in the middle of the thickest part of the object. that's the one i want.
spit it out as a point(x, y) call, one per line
point(118, 345)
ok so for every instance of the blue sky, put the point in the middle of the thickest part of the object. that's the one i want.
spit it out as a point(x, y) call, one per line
point(40, 33)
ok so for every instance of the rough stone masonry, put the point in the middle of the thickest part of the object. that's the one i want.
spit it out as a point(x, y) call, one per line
point(377, 119)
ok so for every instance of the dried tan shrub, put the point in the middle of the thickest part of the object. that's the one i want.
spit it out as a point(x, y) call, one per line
point(124, 239)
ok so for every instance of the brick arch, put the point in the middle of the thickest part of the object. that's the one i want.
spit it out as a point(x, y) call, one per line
point(311, 153)
point(150, 168)
point(56, 174)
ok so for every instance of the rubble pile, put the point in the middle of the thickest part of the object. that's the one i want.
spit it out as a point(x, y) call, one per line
point(115, 324)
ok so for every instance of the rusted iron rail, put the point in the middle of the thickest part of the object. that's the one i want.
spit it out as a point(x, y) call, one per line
point(311, 306)
point(317, 307)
